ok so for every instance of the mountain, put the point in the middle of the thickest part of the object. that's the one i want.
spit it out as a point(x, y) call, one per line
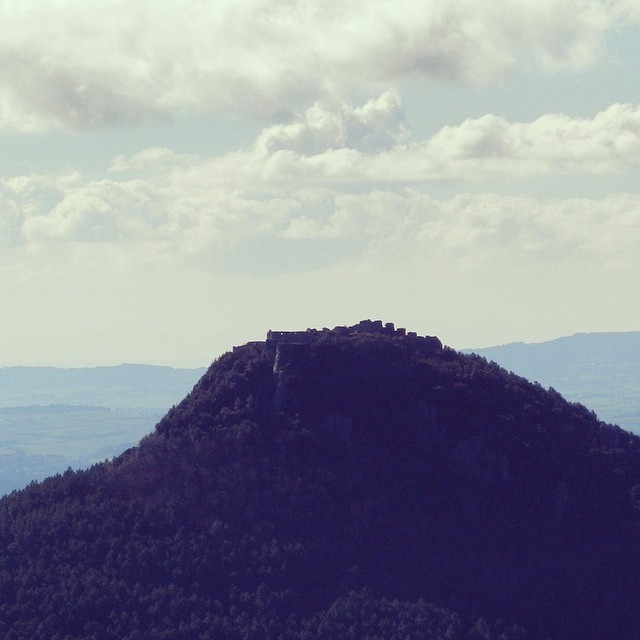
point(359, 483)
point(600, 370)
point(126, 386)
point(53, 418)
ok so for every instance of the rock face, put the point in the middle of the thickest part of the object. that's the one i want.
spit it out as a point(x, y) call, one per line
point(329, 487)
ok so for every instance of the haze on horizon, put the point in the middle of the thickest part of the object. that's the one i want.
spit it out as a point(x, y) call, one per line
point(179, 177)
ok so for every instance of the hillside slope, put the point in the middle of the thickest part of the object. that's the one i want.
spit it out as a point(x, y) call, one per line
point(357, 483)
point(53, 418)
point(600, 370)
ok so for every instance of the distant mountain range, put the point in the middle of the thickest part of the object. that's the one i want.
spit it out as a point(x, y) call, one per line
point(126, 386)
point(52, 418)
point(599, 370)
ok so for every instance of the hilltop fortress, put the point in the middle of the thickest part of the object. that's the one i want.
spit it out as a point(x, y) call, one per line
point(290, 342)
point(287, 345)
point(364, 326)
point(277, 340)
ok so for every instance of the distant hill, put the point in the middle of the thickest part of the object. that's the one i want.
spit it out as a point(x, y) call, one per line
point(126, 386)
point(600, 370)
point(52, 418)
point(360, 483)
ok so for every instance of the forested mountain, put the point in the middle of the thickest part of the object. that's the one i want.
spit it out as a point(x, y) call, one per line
point(600, 370)
point(359, 483)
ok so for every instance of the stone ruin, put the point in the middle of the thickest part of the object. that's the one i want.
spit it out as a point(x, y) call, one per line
point(364, 326)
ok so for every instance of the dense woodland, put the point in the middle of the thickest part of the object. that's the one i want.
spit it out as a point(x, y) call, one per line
point(373, 487)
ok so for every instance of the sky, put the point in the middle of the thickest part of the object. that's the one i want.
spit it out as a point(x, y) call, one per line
point(178, 177)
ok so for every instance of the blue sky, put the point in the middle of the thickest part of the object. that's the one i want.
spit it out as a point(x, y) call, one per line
point(179, 177)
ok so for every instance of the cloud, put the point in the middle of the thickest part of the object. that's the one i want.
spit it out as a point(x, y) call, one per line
point(470, 230)
point(378, 125)
point(79, 222)
point(100, 211)
point(80, 66)
point(132, 220)
point(340, 146)
point(39, 94)
point(628, 12)
point(480, 148)
point(340, 182)
point(554, 143)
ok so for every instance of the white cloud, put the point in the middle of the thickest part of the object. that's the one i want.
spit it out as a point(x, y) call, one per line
point(341, 147)
point(378, 125)
point(554, 143)
point(139, 220)
point(154, 158)
point(101, 211)
point(85, 65)
point(486, 147)
point(629, 11)
point(470, 229)
point(337, 177)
